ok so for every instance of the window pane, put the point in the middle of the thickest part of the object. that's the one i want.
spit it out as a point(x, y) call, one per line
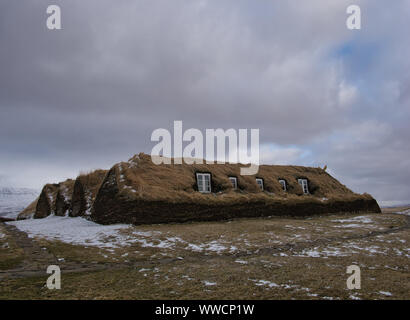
point(204, 182)
point(304, 184)
point(260, 183)
point(283, 183)
point(200, 182)
point(233, 182)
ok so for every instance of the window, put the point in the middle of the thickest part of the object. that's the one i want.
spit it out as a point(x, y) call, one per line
point(260, 183)
point(234, 182)
point(283, 183)
point(304, 184)
point(204, 182)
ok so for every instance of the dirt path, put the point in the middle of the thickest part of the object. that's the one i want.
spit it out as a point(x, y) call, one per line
point(33, 252)
point(34, 256)
point(37, 259)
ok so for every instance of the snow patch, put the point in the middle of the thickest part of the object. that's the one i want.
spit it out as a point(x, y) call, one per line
point(75, 231)
point(350, 225)
point(361, 219)
point(213, 246)
point(406, 212)
point(194, 247)
point(327, 252)
point(270, 284)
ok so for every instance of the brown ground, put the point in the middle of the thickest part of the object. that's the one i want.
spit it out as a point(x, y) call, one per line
point(266, 258)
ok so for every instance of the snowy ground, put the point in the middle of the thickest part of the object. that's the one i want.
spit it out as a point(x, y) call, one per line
point(73, 230)
point(406, 213)
point(269, 258)
point(80, 231)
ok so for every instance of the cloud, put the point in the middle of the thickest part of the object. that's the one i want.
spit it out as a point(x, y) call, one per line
point(370, 157)
point(273, 154)
point(91, 94)
point(347, 94)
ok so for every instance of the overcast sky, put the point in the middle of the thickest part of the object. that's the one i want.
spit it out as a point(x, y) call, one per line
point(91, 94)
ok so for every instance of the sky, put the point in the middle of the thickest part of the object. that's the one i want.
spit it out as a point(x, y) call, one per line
point(91, 94)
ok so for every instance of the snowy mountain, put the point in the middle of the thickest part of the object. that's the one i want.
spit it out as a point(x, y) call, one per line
point(13, 200)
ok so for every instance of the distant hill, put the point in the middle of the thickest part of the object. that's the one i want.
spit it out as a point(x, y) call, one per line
point(394, 204)
point(17, 191)
point(13, 200)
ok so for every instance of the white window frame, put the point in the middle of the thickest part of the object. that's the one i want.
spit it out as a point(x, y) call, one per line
point(203, 188)
point(304, 184)
point(283, 184)
point(260, 185)
point(234, 182)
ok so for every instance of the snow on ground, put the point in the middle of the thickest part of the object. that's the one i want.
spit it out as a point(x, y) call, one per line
point(270, 284)
point(294, 227)
point(241, 261)
point(326, 252)
point(347, 249)
point(406, 213)
point(350, 225)
point(371, 250)
point(213, 246)
point(360, 219)
point(194, 247)
point(81, 231)
point(75, 231)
